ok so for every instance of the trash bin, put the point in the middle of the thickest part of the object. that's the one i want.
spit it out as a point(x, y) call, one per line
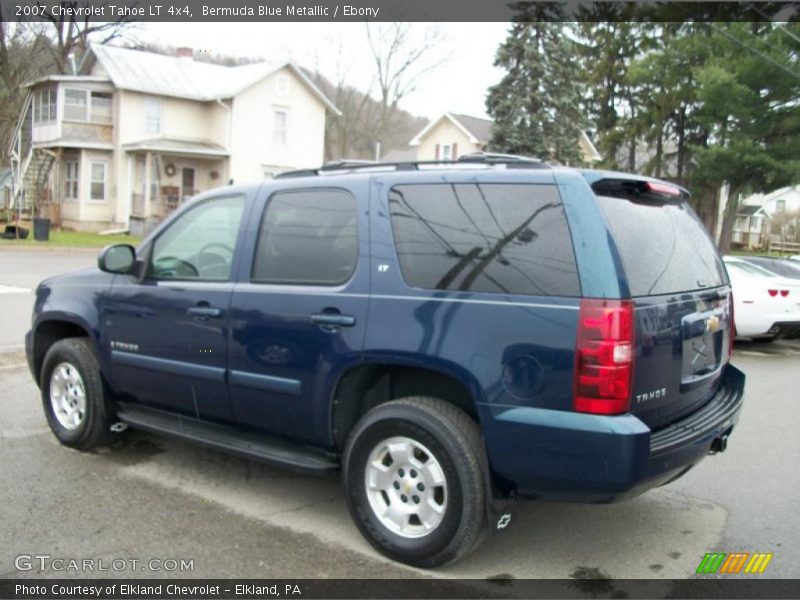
point(41, 230)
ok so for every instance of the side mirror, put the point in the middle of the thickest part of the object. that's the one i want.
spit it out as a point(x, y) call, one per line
point(119, 258)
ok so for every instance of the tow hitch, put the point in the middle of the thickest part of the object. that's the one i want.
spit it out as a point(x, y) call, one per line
point(719, 444)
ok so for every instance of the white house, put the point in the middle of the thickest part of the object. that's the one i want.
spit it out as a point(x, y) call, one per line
point(125, 140)
point(762, 216)
point(451, 135)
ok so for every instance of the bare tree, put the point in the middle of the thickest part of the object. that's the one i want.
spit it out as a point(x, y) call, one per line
point(71, 36)
point(401, 61)
point(23, 57)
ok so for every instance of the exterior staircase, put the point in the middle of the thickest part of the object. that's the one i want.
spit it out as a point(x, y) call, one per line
point(30, 167)
point(36, 177)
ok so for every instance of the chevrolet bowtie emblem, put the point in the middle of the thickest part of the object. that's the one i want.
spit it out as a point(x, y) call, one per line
point(712, 324)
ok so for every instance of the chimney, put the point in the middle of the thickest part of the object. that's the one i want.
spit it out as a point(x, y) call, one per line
point(185, 52)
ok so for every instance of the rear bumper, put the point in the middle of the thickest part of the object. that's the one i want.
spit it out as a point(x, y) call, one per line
point(558, 455)
point(754, 324)
point(782, 329)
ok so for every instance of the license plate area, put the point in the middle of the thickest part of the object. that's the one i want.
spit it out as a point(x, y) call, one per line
point(703, 336)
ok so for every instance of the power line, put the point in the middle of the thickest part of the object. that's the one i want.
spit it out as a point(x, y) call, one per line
point(754, 51)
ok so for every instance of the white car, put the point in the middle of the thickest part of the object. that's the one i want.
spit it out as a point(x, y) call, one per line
point(766, 305)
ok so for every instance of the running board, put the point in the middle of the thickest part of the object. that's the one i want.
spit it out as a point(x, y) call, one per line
point(227, 439)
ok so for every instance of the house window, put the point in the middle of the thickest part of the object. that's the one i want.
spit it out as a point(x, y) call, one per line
point(44, 106)
point(83, 105)
point(101, 108)
point(152, 115)
point(98, 181)
point(447, 152)
point(755, 224)
point(279, 129)
point(71, 180)
point(780, 206)
point(76, 105)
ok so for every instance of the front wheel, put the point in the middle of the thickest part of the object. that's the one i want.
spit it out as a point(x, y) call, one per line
point(73, 396)
point(414, 481)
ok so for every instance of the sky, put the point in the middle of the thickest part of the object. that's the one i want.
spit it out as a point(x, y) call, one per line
point(458, 85)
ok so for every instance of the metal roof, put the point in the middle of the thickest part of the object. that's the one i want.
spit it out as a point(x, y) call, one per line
point(745, 210)
point(178, 146)
point(178, 77)
point(68, 78)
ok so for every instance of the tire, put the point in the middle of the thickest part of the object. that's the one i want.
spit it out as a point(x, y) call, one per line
point(446, 449)
point(71, 372)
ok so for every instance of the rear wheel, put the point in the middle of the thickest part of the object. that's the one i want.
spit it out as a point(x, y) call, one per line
point(414, 482)
point(75, 402)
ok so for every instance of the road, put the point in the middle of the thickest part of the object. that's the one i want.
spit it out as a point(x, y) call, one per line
point(157, 498)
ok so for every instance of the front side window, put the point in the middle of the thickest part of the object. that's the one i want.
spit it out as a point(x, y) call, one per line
point(279, 130)
point(200, 244)
point(152, 115)
point(76, 105)
point(98, 181)
point(447, 152)
point(307, 237)
point(501, 238)
point(71, 179)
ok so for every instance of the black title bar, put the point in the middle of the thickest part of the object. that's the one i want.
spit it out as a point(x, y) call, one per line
point(224, 589)
point(186, 11)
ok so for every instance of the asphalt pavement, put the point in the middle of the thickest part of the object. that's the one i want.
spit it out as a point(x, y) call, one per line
point(154, 498)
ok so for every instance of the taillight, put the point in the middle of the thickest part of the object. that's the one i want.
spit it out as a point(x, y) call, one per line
point(784, 293)
point(732, 332)
point(604, 356)
point(663, 188)
point(773, 293)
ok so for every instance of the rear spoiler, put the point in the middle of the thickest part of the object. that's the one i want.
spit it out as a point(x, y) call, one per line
point(634, 188)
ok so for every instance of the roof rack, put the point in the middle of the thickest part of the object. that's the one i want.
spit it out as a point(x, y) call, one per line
point(476, 158)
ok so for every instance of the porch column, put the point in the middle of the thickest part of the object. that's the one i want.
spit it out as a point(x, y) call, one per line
point(58, 194)
point(147, 160)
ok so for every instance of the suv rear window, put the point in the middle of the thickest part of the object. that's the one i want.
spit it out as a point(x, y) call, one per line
point(501, 238)
point(664, 246)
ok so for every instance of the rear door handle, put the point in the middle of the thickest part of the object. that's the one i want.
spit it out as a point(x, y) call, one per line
point(332, 319)
point(203, 311)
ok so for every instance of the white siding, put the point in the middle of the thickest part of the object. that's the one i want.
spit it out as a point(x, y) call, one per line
point(253, 145)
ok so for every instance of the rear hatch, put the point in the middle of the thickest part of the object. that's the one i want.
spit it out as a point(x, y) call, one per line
point(681, 296)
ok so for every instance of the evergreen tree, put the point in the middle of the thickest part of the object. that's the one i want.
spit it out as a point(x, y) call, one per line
point(536, 106)
point(607, 49)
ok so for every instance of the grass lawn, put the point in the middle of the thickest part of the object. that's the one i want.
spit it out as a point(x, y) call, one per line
point(72, 239)
point(774, 253)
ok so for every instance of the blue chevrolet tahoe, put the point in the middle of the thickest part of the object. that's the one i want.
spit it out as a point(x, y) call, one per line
point(450, 336)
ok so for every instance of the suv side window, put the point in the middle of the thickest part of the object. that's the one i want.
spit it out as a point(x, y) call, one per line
point(307, 237)
point(200, 244)
point(500, 238)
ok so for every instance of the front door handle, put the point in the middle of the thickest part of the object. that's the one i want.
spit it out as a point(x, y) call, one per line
point(203, 311)
point(333, 320)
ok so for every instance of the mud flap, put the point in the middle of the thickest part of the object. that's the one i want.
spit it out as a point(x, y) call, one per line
point(499, 505)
